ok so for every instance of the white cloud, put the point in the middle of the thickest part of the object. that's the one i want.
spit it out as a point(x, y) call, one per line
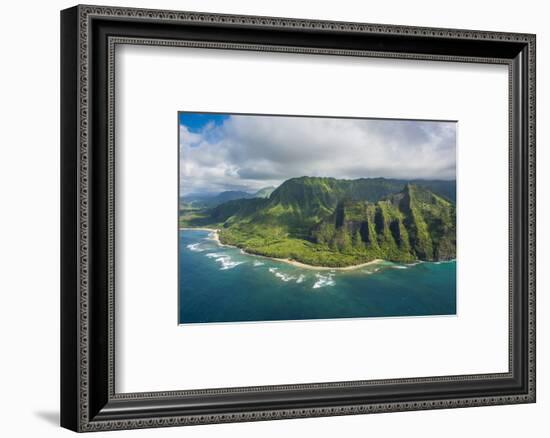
point(250, 152)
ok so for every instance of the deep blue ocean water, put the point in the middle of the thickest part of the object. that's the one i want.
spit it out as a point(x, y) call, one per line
point(222, 284)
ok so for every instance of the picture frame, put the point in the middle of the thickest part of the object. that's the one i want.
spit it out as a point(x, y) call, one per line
point(89, 35)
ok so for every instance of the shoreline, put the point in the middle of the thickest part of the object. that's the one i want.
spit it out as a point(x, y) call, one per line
point(294, 263)
point(325, 268)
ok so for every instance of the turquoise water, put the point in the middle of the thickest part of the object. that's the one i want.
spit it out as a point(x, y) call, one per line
point(222, 284)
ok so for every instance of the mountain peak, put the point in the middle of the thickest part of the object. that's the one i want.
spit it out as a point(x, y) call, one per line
point(264, 192)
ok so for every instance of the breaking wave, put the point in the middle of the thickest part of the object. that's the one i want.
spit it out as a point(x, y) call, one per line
point(284, 277)
point(287, 277)
point(227, 263)
point(324, 280)
point(224, 260)
point(195, 247)
point(371, 271)
point(444, 261)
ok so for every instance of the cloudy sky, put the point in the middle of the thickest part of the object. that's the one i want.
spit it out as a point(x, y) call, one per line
point(238, 152)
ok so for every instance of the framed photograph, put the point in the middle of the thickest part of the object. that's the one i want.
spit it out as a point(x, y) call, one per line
point(281, 232)
point(267, 218)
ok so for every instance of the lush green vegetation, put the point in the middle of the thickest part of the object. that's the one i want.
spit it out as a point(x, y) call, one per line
point(330, 222)
point(195, 218)
point(409, 225)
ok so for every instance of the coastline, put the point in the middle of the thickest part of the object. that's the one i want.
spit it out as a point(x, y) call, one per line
point(215, 232)
point(325, 268)
point(294, 263)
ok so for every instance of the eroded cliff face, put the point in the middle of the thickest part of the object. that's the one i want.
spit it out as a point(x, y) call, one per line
point(414, 224)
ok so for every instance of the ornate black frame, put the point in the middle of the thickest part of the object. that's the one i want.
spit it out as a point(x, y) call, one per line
point(89, 35)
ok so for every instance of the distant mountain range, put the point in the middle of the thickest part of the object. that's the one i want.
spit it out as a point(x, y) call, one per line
point(336, 222)
point(198, 200)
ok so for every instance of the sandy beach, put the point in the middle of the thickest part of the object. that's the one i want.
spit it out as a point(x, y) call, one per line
point(327, 268)
point(216, 238)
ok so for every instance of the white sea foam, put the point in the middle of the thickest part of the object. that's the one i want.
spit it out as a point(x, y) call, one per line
point(227, 263)
point(399, 267)
point(273, 270)
point(195, 247)
point(284, 277)
point(324, 280)
point(300, 278)
point(224, 260)
point(370, 271)
point(258, 263)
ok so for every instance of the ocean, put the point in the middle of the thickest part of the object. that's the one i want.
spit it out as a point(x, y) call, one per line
point(223, 284)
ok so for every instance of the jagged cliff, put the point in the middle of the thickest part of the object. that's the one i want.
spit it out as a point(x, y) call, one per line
point(409, 225)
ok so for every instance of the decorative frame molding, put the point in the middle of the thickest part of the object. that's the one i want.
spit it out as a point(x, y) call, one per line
point(89, 402)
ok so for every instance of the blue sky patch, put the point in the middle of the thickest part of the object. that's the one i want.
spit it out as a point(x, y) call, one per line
point(196, 122)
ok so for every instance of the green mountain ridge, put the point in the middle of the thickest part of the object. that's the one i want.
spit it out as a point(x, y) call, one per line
point(332, 222)
point(264, 192)
point(414, 224)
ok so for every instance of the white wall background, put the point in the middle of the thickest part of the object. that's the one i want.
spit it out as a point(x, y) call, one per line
point(29, 220)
